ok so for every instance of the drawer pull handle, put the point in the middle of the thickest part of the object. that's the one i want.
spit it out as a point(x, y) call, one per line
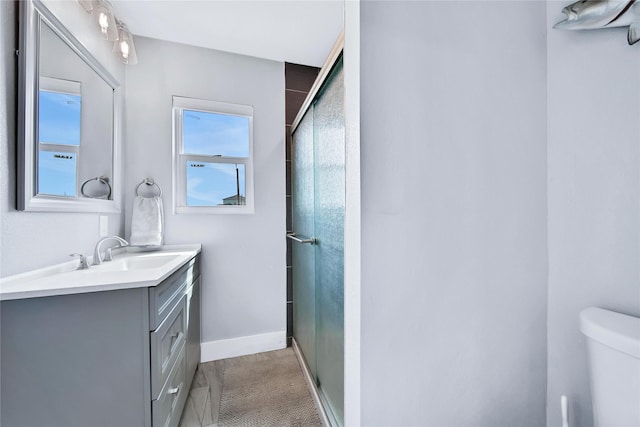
point(175, 338)
point(174, 390)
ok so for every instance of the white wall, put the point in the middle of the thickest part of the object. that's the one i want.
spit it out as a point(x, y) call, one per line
point(243, 256)
point(352, 216)
point(32, 240)
point(454, 260)
point(594, 197)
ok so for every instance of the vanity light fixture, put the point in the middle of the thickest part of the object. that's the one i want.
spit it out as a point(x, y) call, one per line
point(112, 29)
point(102, 14)
point(124, 47)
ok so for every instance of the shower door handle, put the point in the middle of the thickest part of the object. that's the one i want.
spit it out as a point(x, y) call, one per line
point(292, 236)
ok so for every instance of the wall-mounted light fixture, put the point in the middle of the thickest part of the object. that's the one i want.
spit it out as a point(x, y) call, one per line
point(112, 29)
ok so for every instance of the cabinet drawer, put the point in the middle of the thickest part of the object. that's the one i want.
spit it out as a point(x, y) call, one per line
point(163, 297)
point(167, 409)
point(166, 341)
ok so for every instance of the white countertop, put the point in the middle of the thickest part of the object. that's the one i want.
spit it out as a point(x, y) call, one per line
point(131, 268)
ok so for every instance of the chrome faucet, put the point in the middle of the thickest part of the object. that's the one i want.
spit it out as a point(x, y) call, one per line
point(97, 257)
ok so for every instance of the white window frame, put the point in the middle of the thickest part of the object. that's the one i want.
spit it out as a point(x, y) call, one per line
point(180, 159)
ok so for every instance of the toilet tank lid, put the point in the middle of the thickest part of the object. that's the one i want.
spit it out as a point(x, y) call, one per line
point(615, 330)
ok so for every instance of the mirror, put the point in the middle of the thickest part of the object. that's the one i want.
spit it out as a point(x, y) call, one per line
point(68, 130)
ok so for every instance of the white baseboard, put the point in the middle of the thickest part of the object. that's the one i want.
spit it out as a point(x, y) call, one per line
point(242, 346)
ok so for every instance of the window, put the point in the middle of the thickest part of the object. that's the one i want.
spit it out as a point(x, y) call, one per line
point(59, 108)
point(213, 147)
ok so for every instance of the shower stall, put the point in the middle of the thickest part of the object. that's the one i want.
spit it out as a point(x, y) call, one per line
point(318, 196)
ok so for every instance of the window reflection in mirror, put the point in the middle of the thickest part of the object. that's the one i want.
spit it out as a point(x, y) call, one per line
point(59, 118)
point(74, 125)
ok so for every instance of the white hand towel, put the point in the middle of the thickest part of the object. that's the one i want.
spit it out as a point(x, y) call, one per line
point(146, 222)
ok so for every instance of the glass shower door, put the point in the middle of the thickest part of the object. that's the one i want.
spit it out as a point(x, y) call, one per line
point(318, 163)
point(303, 255)
point(329, 158)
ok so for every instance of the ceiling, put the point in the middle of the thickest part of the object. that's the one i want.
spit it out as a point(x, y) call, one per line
point(296, 31)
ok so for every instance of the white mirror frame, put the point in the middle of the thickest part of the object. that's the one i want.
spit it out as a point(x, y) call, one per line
point(32, 12)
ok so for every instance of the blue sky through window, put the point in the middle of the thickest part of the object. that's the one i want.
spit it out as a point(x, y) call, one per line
point(57, 173)
point(215, 134)
point(205, 133)
point(59, 118)
point(58, 123)
point(208, 184)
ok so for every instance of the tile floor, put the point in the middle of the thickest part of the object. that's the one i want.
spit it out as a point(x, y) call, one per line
point(264, 389)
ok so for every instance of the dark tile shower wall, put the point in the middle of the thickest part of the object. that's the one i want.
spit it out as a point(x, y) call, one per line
point(298, 82)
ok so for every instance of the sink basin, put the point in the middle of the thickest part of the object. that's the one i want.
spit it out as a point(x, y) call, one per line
point(140, 262)
point(147, 262)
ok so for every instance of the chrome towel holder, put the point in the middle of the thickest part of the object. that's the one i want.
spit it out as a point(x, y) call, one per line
point(150, 182)
point(311, 240)
point(101, 180)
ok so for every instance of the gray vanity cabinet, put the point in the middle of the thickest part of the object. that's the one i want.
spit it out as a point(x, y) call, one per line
point(193, 330)
point(114, 358)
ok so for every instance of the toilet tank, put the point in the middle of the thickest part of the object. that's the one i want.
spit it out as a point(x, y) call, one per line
point(613, 344)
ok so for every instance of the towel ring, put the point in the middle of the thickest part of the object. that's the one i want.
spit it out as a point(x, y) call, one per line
point(150, 182)
point(102, 180)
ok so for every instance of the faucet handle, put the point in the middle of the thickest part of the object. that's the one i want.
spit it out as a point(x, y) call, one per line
point(83, 261)
point(108, 256)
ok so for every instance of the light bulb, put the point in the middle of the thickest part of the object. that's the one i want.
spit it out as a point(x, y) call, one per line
point(103, 17)
point(124, 49)
point(103, 21)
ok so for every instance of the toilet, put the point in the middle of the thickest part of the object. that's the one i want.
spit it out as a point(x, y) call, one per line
point(613, 345)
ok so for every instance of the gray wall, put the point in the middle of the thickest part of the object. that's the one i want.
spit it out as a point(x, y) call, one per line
point(33, 240)
point(243, 256)
point(594, 197)
point(454, 247)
